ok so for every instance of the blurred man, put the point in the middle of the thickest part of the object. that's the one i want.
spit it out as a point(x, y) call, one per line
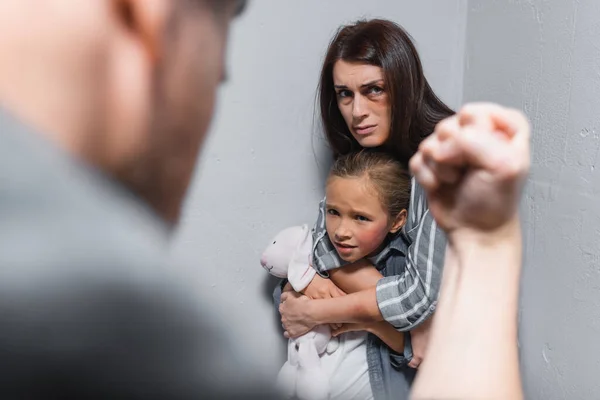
point(104, 107)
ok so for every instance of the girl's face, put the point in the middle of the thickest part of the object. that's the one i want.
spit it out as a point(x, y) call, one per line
point(363, 101)
point(356, 221)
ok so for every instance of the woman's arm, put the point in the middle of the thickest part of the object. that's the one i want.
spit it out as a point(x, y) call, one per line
point(299, 314)
point(409, 299)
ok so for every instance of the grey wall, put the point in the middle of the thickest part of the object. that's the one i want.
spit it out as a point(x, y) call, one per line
point(543, 56)
point(259, 172)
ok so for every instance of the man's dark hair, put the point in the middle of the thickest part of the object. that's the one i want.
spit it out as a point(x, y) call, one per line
point(220, 5)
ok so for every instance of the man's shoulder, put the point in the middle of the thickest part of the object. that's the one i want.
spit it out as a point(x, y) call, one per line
point(95, 288)
point(88, 298)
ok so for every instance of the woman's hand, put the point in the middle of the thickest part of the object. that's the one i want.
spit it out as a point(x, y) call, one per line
point(321, 288)
point(295, 314)
point(419, 338)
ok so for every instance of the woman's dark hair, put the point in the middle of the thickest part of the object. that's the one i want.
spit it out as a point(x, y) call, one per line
point(415, 109)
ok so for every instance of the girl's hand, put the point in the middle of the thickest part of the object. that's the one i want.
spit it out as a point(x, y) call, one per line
point(321, 288)
point(295, 314)
point(344, 328)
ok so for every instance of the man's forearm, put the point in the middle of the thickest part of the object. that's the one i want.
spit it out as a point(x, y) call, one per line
point(359, 307)
point(473, 348)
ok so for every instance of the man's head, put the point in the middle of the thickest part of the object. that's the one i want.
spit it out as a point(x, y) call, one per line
point(127, 85)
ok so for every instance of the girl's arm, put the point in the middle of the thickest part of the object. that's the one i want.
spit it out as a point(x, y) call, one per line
point(361, 276)
point(383, 330)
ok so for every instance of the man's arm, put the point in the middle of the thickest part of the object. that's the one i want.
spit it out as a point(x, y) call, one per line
point(476, 322)
point(474, 167)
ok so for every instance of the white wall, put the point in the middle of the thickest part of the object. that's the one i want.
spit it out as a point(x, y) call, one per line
point(543, 56)
point(259, 173)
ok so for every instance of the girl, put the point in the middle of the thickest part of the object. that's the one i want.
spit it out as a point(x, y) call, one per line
point(367, 194)
point(367, 199)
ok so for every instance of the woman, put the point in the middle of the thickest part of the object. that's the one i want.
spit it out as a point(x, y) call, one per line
point(373, 93)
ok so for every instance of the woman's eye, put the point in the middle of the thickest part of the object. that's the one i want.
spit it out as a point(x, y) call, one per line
point(344, 93)
point(375, 90)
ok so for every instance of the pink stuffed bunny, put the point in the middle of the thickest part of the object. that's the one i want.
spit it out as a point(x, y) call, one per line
point(302, 376)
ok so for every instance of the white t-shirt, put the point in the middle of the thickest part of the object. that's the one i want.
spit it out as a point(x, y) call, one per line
point(349, 369)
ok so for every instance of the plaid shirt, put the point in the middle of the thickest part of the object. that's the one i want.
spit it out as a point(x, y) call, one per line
point(409, 298)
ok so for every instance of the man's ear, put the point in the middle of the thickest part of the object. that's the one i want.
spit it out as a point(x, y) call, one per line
point(399, 221)
point(147, 21)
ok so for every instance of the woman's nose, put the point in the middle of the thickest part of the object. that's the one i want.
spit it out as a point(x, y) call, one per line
point(359, 110)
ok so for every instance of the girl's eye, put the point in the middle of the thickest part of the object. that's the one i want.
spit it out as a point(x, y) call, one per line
point(362, 218)
point(332, 212)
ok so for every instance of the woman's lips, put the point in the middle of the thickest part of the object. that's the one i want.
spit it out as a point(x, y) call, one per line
point(365, 129)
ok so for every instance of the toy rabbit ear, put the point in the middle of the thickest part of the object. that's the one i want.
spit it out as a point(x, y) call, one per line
point(300, 272)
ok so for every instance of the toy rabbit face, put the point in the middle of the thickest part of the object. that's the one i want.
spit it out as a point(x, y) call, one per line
point(278, 255)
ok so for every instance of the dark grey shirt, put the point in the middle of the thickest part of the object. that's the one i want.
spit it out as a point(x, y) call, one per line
point(89, 307)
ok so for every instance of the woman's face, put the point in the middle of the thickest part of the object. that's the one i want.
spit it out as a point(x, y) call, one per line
point(363, 101)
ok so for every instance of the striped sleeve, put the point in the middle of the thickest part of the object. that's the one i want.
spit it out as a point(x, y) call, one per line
point(325, 257)
point(408, 299)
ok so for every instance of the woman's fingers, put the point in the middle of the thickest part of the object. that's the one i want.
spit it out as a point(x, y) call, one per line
point(414, 363)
